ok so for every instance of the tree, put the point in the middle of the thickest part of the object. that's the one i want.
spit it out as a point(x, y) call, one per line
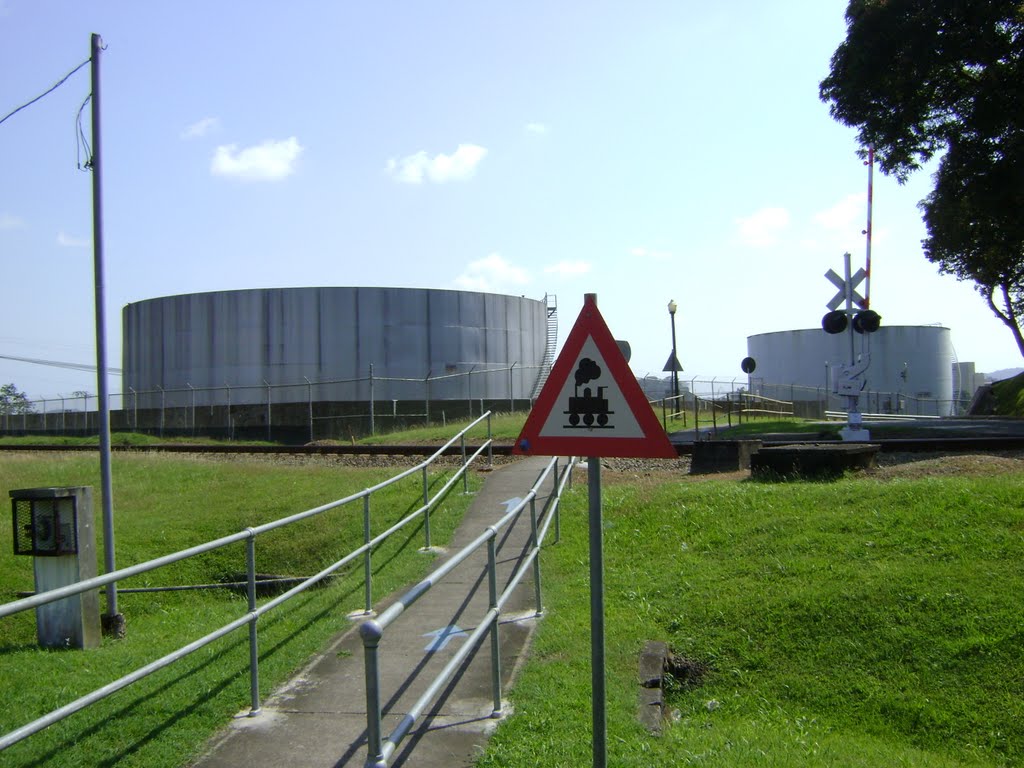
point(14, 402)
point(920, 78)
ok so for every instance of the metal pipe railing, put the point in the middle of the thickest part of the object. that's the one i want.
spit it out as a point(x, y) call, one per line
point(381, 748)
point(254, 612)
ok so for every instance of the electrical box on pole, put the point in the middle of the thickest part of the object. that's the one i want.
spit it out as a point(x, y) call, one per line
point(55, 527)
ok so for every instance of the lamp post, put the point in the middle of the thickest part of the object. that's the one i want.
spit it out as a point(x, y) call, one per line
point(672, 307)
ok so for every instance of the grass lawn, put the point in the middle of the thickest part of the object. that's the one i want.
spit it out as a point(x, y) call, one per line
point(872, 621)
point(164, 504)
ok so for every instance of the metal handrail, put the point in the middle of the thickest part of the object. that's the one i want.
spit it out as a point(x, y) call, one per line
point(380, 749)
point(254, 612)
point(884, 416)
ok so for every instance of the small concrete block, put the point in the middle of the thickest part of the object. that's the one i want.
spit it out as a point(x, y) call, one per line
point(651, 710)
point(652, 663)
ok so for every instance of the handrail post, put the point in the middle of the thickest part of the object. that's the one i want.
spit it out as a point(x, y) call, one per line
point(490, 443)
point(492, 586)
point(371, 633)
point(465, 474)
point(367, 565)
point(254, 653)
point(558, 497)
point(426, 509)
point(536, 546)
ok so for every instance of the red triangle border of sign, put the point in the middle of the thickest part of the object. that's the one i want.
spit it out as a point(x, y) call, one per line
point(654, 443)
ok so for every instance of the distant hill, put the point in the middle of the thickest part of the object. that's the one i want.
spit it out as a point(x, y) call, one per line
point(1004, 373)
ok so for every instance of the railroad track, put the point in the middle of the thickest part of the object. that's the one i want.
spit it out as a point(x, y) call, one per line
point(921, 445)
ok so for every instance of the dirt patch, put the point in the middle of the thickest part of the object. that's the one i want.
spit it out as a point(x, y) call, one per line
point(916, 465)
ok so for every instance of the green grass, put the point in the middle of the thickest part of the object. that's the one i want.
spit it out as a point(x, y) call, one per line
point(163, 504)
point(504, 427)
point(856, 623)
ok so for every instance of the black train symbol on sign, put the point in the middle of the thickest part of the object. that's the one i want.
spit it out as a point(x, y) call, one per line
point(588, 407)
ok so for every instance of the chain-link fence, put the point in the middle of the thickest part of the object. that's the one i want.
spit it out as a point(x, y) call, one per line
point(346, 409)
point(300, 412)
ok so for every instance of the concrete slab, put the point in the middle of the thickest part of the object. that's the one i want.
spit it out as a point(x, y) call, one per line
point(318, 719)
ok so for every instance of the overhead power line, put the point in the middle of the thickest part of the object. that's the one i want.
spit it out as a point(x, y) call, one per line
point(57, 364)
point(50, 90)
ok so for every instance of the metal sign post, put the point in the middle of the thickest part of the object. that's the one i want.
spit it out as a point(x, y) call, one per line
point(597, 656)
point(592, 405)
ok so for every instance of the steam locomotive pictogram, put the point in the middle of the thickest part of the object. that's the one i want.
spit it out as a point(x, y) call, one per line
point(588, 407)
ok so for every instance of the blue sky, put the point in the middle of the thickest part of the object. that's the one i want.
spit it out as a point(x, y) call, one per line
point(641, 151)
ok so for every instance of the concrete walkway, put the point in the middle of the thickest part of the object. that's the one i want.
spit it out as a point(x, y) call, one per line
point(318, 719)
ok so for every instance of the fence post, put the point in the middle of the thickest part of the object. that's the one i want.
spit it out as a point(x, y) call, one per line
point(63, 412)
point(372, 426)
point(269, 416)
point(163, 402)
point(254, 654)
point(192, 406)
point(492, 588)
point(469, 390)
point(309, 398)
point(367, 565)
point(230, 430)
point(426, 391)
point(511, 390)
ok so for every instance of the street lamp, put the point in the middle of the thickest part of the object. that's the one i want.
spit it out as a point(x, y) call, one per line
point(672, 307)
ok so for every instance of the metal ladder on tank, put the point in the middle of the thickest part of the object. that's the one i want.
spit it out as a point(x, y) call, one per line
point(549, 348)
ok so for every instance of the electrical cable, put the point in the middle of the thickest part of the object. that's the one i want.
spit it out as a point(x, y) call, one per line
point(82, 143)
point(45, 93)
point(57, 364)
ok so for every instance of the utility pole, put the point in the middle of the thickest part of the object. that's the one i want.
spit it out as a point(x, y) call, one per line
point(113, 622)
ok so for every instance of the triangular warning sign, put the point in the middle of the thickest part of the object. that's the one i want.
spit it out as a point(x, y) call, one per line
point(591, 404)
point(672, 364)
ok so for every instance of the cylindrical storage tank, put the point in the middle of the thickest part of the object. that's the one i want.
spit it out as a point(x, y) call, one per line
point(910, 371)
point(239, 344)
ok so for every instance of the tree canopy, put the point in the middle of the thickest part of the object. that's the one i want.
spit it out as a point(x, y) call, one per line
point(921, 78)
point(14, 402)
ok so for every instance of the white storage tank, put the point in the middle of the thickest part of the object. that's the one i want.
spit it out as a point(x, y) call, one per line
point(911, 368)
point(245, 340)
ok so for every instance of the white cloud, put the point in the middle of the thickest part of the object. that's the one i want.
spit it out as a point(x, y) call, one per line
point(762, 228)
point(10, 221)
point(201, 128)
point(539, 128)
point(458, 166)
point(568, 268)
point(491, 273)
point(67, 241)
point(847, 213)
point(269, 161)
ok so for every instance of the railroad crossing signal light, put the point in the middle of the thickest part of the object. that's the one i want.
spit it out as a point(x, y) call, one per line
point(834, 322)
point(867, 321)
